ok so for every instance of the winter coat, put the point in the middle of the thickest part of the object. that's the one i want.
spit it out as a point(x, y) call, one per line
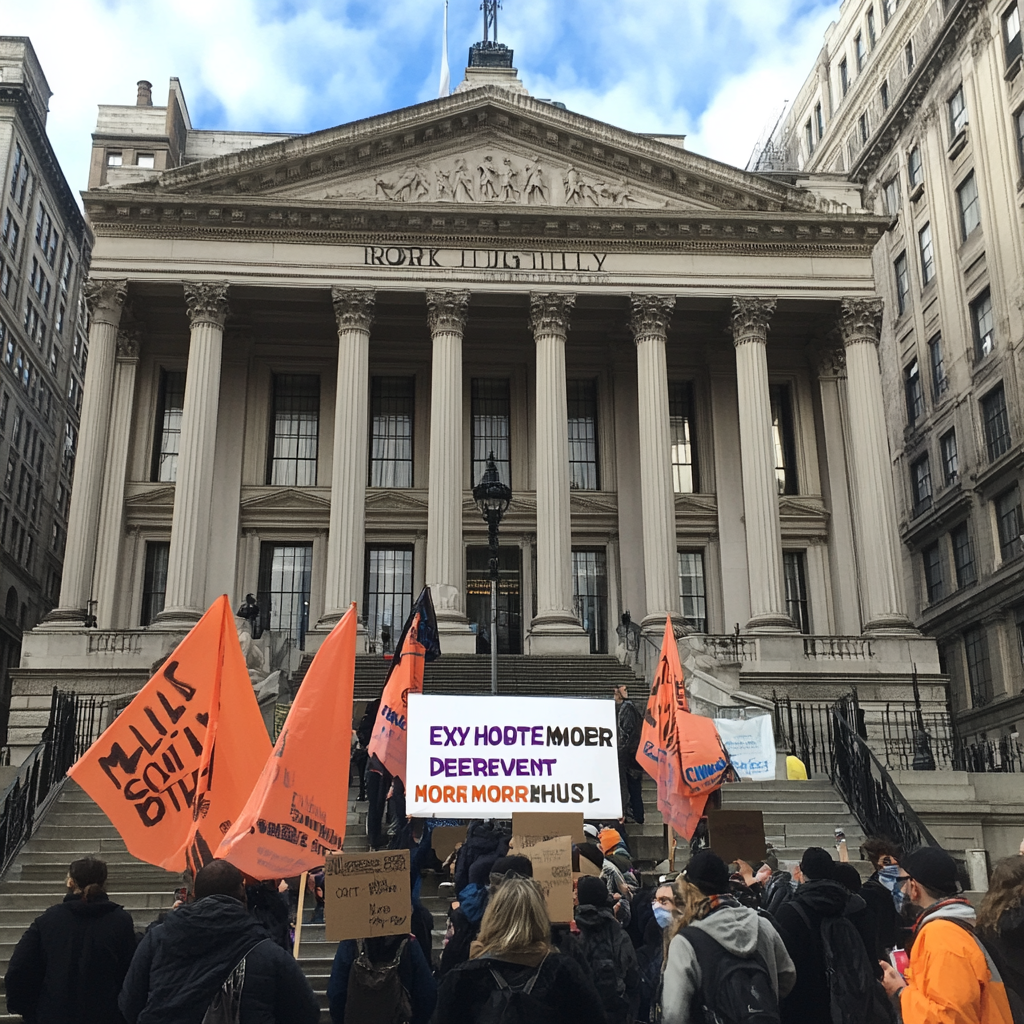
point(68, 967)
point(179, 967)
point(413, 969)
point(948, 980)
point(272, 910)
point(882, 912)
point(1008, 944)
point(561, 985)
point(741, 931)
point(482, 838)
point(809, 1002)
point(466, 920)
point(599, 929)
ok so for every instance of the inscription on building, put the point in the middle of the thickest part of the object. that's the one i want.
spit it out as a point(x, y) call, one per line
point(484, 259)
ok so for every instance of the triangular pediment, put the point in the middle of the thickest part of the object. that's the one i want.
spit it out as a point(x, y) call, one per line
point(286, 499)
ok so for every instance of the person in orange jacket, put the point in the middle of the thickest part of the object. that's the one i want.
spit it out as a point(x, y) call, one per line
point(951, 979)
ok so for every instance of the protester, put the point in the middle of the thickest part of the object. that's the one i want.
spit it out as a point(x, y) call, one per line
point(1001, 922)
point(358, 759)
point(604, 951)
point(181, 965)
point(712, 932)
point(949, 971)
point(69, 965)
point(381, 979)
point(649, 952)
point(879, 892)
point(615, 849)
point(629, 722)
point(515, 976)
point(270, 907)
point(613, 878)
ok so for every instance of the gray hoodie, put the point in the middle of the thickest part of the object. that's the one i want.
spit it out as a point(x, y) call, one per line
point(741, 931)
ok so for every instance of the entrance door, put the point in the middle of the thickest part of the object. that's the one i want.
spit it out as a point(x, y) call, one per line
point(478, 599)
point(283, 593)
point(590, 589)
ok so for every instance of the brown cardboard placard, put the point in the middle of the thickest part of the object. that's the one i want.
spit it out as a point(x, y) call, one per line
point(583, 866)
point(737, 835)
point(552, 871)
point(367, 894)
point(549, 825)
point(445, 838)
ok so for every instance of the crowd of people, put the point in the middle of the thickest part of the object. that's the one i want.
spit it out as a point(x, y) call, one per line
point(765, 946)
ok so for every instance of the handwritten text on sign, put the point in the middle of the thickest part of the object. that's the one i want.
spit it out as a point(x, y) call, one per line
point(367, 895)
point(485, 757)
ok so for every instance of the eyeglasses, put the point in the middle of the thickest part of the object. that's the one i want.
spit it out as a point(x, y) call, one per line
point(664, 901)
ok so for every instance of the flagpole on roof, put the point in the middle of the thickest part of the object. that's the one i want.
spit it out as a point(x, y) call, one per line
point(445, 87)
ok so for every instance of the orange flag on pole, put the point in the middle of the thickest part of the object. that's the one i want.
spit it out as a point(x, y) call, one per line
point(297, 812)
point(151, 765)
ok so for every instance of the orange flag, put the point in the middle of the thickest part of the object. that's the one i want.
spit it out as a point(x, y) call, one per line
point(297, 812)
point(148, 768)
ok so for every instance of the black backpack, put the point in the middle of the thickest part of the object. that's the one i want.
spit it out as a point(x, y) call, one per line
point(602, 964)
point(997, 968)
point(226, 1005)
point(778, 891)
point(376, 992)
point(733, 989)
point(514, 1003)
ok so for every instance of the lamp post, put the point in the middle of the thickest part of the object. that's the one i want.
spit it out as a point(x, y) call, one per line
point(493, 498)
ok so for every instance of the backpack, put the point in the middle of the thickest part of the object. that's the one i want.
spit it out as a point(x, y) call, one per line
point(777, 892)
point(376, 992)
point(733, 989)
point(602, 964)
point(226, 1005)
point(995, 961)
point(514, 1004)
point(855, 995)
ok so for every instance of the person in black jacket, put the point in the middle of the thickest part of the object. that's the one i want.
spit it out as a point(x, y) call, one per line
point(1001, 922)
point(69, 965)
point(270, 907)
point(180, 966)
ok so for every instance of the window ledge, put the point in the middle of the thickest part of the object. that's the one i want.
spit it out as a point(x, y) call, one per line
point(956, 147)
point(1012, 69)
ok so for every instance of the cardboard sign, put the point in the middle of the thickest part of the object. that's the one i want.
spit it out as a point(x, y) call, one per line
point(488, 757)
point(583, 866)
point(445, 838)
point(737, 835)
point(552, 871)
point(367, 895)
point(549, 826)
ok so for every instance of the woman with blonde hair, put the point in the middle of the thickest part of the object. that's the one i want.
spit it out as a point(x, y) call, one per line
point(1001, 923)
point(514, 973)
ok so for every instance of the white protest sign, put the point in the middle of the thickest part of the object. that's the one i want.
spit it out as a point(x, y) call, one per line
point(487, 757)
point(751, 745)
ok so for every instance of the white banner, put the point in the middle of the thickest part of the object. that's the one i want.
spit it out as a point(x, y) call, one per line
point(751, 745)
point(486, 757)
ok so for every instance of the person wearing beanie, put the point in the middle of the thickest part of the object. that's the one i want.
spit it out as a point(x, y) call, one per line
point(950, 970)
point(713, 922)
point(613, 879)
point(819, 903)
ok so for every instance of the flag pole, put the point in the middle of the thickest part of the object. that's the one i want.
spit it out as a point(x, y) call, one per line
point(445, 87)
point(298, 916)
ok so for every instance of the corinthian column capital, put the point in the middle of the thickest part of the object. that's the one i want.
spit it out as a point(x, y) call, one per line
point(128, 343)
point(860, 320)
point(550, 312)
point(354, 307)
point(106, 299)
point(650, 315)
point(207, 303)
point(751, 316)
point(447, 312)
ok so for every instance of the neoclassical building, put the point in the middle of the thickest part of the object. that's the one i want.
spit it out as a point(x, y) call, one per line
point(304, 349)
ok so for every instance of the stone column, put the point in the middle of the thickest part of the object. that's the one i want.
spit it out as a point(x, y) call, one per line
point(186, 564)
point(860, 321)
point(354, 309)
point(556, 628)
point(447, 312)
point(750, 318)
point(649, 323)
point(106, 300)
point(106, 580)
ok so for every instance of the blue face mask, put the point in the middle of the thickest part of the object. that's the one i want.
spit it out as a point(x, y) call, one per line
point(889, 877)
point(662, 915)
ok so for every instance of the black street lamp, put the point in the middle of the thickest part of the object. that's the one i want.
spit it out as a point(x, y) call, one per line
point(493, 498)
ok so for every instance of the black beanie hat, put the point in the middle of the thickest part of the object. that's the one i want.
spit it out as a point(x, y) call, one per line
point(708, 872)
point(592, 891)
point(817, 863)
point(592, 853)
point(933, 868)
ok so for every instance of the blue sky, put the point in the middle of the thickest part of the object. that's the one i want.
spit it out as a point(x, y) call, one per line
point(715, 70)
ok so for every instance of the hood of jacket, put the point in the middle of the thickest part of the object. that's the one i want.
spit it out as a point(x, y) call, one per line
point(1011, 926)
point(98, 906)
point(828, 898)
point(955, 908)
point(473, 902)
point(591, 919)
point(732, 926)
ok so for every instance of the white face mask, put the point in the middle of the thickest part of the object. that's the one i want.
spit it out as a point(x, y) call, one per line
point(662, 915)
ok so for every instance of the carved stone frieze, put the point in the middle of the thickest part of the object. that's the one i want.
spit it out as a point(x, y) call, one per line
point(650, 315)
point(550, 312)
point(207, 303)
point(860, 320)
point(106, 299)
point(751, 316)
point(447, 311)
point(353, 307)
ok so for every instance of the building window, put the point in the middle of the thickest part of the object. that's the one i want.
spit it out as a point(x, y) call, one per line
point(796, 589)
point(681, 426)
point(1018, 125)
point(859, 50)
point(902, 283)
point(490, 416)
point(940, 382)
point(9, 234)
point(590, 593)
point(784, 439)
point(1011, 33)
point(582, 409)
point(914, 393)
point(883, 94)
point(809, 137)
point(844, 76)
point(819, 120)
point(692, 589)
point(950, 458)
point(996, 423)
point(979, 666)
point(893, 196)
point(957, 106)
point(154, 581)
point(145, 160)
point(295, 428)
point(908, 56)
point(114, 159)
point(915, 167)
point(167, 436)
point(924, 237)
point(983, 324)
point(1009, 524)
point(19, 159)
point(388, 594)
point(887, 9)
point(392, 401)
point(970, 209)
point(285, 571)
point(963, 556)
point(935, 587)
point(921, 481)
point(862, 123)
point(872, 38)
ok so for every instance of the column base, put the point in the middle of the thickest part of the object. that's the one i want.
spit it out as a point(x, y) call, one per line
point(890, 625)
point(557, 633)
point(455, 636)
point(70, 619)
point(317, 634)
point(770, 622)
point(655, 625)
point(171, 619)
